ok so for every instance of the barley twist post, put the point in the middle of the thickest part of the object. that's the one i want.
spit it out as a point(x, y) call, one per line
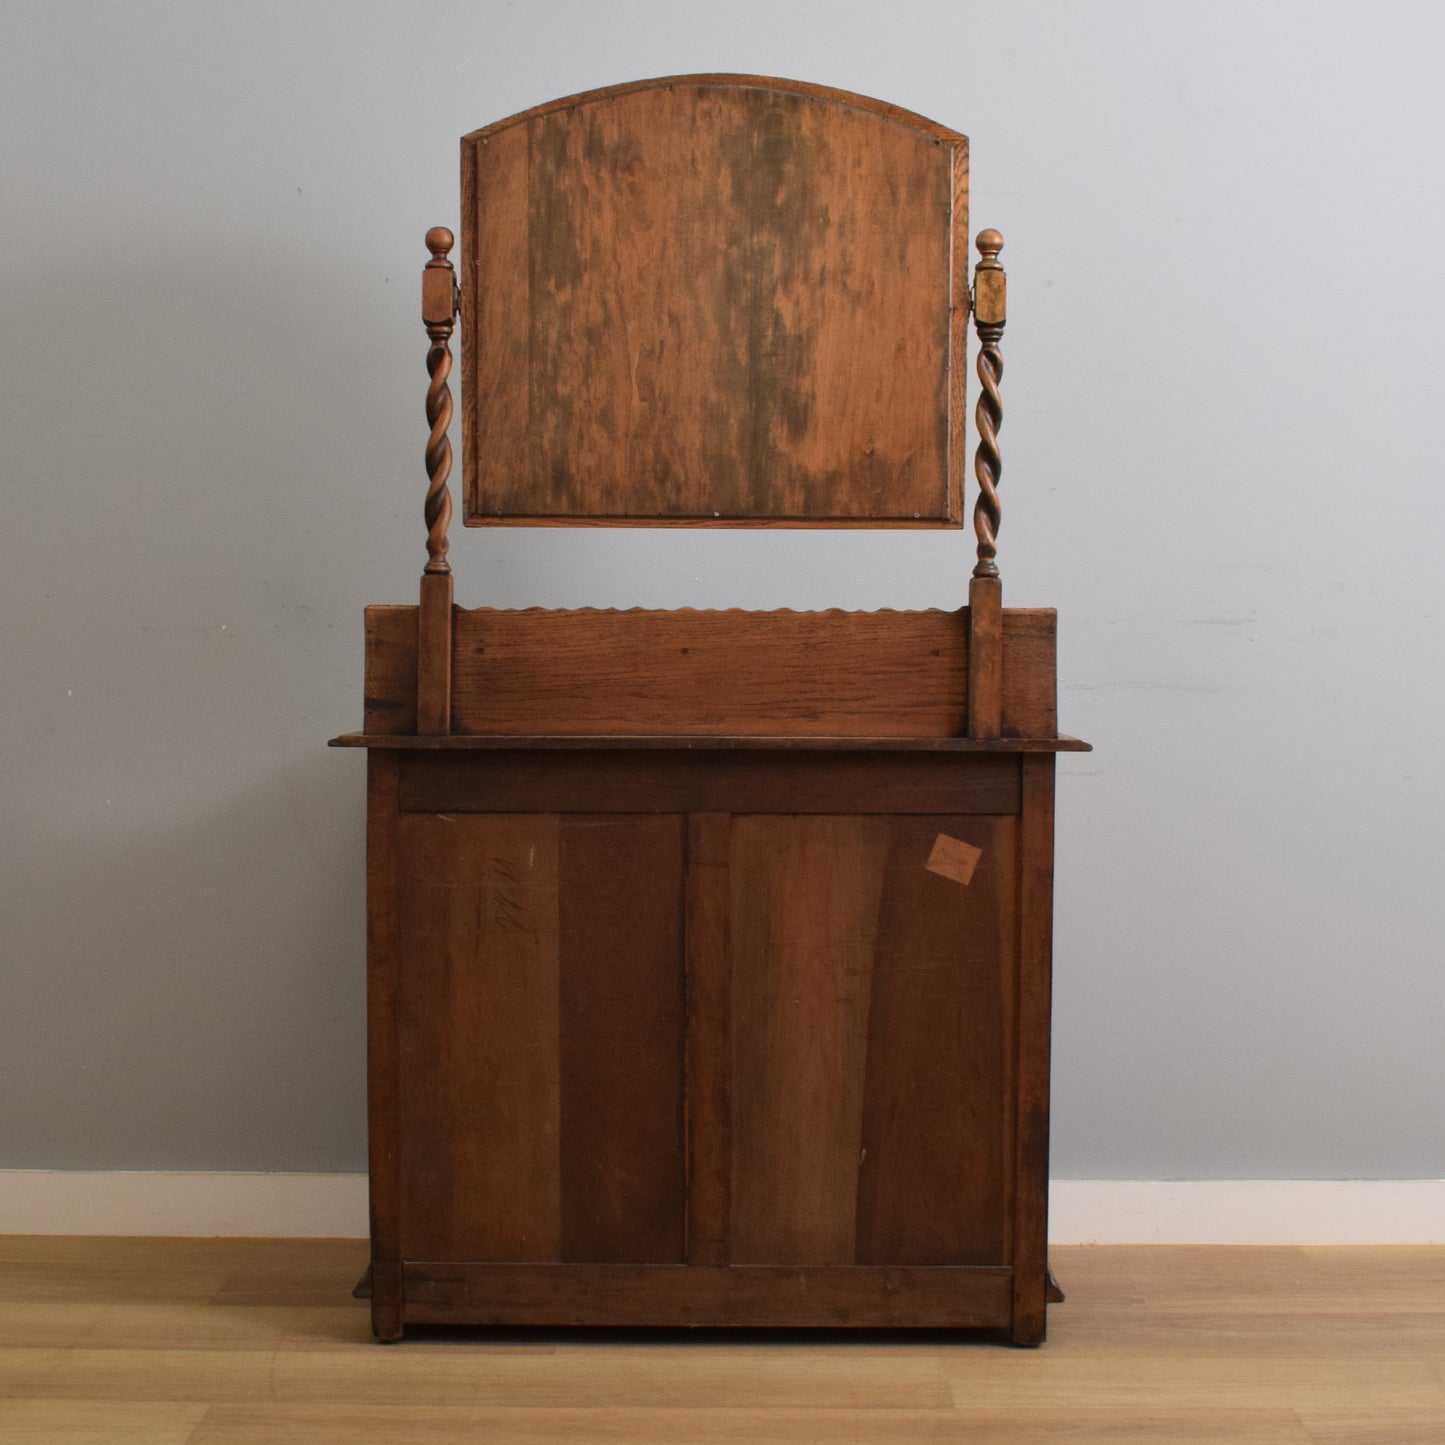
point(434, 616)
point(989, 312)
point(438, 314)
point(985, 592)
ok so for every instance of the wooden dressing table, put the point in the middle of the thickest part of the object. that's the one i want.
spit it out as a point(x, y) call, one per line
point(709, 952)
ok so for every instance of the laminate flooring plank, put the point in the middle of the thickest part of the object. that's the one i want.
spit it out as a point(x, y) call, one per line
point(743, 1424)
point(1150, 1347)
point(85, 1422)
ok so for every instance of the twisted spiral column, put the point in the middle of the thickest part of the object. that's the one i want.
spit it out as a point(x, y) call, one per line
point(438, 313)
point(989, 316)
point(987, 460)
point(438, 509)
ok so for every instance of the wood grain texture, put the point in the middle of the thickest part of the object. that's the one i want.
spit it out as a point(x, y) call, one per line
point(714, 299)
point(819, 674)
point(621, 1049)
point(390, 676)
point(479, 1026)
point(256, 1341)
point(710, 672)
point(985, 657)
point(870, 1019)
point(1035, 984)
point(934, 1177)
point(700, 782)
point(591, 671)
point(434, 655)
point(709, 1038)
point(541, 1026)
point(805, 901)
point(440, 1293)
point(383, 945)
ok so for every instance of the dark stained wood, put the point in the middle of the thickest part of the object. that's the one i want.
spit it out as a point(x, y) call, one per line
point(709, 1038)
point(934, 1173)
point(663, 742)
point(1035, 981)
point(700, 782)
point(480, 1037)
point(434, 655)
point(542, 1108)
point(713, 300)
point(764, 674)
point(805, 901)
point(621, 1053)
point(639, 1295)
point(383, 1145)
point(708, 952)
point(985, 657)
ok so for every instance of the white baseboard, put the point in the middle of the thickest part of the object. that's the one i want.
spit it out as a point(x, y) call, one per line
point(1247, 1211)
point(1082, 1211)
point(62, 1201)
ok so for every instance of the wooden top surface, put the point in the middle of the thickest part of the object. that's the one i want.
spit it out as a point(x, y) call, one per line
point(714, 300)
point(693, 743)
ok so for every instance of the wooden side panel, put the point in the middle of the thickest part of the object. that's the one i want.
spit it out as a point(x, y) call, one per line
point(540, 1054)
point(621, 1045)
point(805, 896)
point(708, 301)
point(391, 670)
point(934, 1168)
point(383, 1142)
point(1029, 672)
point(871, 1019)
point(808, 674)
point(1035, 984)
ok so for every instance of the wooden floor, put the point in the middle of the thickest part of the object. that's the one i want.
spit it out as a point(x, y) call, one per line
point(161, 1341)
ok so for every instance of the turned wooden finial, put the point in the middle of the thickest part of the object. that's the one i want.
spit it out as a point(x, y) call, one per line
point(439, 241)
point(989, 314)
point(438, 312)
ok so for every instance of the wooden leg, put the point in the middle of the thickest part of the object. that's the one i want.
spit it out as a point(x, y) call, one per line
point(1028, 1331)
point(386, 1322)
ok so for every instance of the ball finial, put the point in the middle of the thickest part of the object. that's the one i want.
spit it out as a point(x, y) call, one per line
point(439, 241)
point(989, 243)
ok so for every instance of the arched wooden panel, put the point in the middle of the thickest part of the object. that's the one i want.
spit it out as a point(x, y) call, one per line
point(714, 300)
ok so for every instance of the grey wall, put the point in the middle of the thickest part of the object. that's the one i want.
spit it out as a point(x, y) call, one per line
point(1222, 463)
